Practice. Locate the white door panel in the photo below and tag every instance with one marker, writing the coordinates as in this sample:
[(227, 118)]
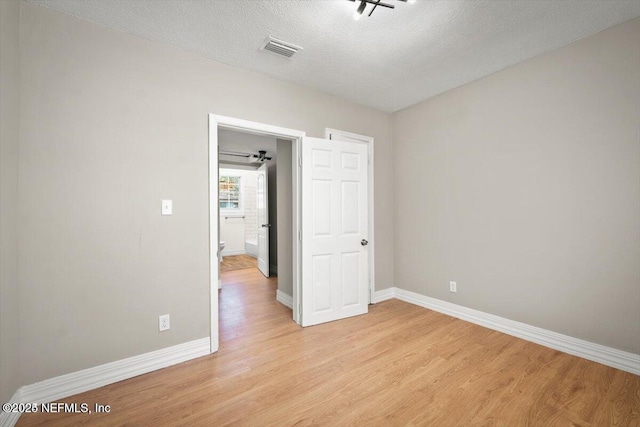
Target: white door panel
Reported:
[(335, 267), (263, 221)]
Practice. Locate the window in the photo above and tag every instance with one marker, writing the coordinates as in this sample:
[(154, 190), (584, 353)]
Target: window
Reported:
[(230, 197)]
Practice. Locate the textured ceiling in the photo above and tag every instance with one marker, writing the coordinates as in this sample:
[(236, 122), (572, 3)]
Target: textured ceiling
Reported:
[(389, 61)]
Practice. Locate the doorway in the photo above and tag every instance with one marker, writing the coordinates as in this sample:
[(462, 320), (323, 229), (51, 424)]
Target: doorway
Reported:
[(248, 201), (329, 250), (238, 217), (288, 139)]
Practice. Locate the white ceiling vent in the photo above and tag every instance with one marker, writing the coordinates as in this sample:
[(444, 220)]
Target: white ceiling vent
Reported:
[(280, 47)]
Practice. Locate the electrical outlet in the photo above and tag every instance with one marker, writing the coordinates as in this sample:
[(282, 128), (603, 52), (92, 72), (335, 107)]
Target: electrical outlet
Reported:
[(453, 287), (164, 323)]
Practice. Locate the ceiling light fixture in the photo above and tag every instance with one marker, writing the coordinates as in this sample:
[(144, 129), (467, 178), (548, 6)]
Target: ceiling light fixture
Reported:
[(261, 156), (363, 4), (358, 13)]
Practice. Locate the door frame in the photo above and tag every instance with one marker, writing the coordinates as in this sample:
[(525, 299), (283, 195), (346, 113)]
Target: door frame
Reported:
[(223, 122), (262, 170), (330, 133)]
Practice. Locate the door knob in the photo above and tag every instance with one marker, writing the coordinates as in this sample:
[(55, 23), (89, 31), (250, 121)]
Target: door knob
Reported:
[(266, 225), (364, 242)]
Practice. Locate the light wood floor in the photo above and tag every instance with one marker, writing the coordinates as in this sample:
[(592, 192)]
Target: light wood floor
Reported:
[(238, 262), (398, 365)]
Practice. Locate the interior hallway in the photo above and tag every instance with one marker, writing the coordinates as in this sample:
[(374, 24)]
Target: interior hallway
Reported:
[(398, 365)]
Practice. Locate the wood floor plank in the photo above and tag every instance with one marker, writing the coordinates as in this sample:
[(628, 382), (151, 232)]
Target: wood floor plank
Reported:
[(238, 262), (398, 365)]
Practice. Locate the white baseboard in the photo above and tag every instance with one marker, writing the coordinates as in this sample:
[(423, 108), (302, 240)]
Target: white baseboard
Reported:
[(284, 299), (608, 356), (88, 379), (9, 419), (383, 295), (229, 253)]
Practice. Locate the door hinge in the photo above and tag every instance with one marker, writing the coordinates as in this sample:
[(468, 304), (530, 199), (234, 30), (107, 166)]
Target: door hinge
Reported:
[(300, 235), (369, 158), (300, 161)]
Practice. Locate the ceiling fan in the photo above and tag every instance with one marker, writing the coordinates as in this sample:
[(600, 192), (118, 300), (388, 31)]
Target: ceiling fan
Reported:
[(261, 156), (363, 5)]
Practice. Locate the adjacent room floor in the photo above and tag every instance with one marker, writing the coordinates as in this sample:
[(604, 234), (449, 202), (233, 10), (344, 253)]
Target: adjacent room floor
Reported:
[(398, 365), (238, 262)]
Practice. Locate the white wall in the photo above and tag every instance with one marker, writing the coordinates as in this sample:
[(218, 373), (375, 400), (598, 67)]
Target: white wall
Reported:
[(235, 230), (251, 207), (524, 187), (111, 124), (9, 136)]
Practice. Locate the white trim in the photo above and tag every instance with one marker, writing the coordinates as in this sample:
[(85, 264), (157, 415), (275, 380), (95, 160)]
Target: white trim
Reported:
[(296, 215), (329, 133), (284, 299), (215, 122), (383, 295), (109, 373), (214, 238), (608, 356), (255, 127), (231, 253), (262, 199), (9, 419), (99, 376)]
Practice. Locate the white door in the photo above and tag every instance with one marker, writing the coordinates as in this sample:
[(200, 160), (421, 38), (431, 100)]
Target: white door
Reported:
[(263, 221), (334, 230)]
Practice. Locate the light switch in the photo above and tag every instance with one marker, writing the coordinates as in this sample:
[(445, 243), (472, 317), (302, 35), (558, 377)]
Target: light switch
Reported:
[(167, 207)]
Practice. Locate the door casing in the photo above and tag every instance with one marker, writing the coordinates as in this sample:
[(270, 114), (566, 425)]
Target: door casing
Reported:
[(263, 221)]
